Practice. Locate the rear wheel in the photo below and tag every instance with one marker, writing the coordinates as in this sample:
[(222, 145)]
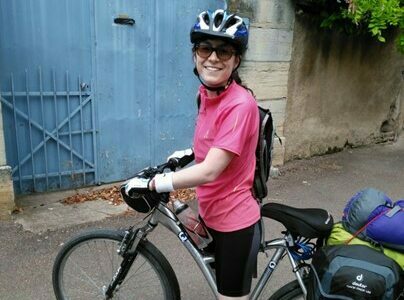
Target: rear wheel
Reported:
[(85, 266), (289, 291)]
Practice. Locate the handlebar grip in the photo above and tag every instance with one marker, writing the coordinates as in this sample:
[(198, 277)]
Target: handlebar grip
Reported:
[(181, 162)]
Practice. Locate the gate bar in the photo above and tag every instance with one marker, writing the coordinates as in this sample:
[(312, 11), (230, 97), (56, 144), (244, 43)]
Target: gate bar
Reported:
[(51, 174), (76, 132), (44, 93), (30, 128), (94, 138), (82, 133), (70, 128), (43, 127), (16, 130), (56, 125)]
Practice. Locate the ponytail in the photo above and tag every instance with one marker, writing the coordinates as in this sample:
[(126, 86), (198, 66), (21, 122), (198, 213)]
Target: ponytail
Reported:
[(238, 80)]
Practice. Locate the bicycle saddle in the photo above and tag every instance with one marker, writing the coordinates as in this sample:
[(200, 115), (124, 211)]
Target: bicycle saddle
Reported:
[(306, 222)]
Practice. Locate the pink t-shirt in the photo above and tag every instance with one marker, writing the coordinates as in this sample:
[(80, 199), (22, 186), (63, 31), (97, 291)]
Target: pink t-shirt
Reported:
[(230, 122)]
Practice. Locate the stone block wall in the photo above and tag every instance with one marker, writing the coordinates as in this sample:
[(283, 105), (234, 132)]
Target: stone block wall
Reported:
[(265, 68), (342, 91), (6, 193), (6, 183), (2, 145)]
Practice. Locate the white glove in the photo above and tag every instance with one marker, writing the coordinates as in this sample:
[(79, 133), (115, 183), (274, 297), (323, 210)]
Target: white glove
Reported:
[(136, 185), (180, 154), (164, 182)]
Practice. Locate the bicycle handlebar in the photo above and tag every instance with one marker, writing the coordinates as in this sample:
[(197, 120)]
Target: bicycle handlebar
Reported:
[(138, 185), (182, 161), (172, 164), (150, 172)]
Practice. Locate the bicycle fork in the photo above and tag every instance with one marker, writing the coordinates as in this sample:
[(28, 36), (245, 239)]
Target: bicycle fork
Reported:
[(127, 250)]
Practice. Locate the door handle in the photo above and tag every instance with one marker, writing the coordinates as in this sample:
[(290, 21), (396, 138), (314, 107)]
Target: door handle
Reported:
[(124, 20)]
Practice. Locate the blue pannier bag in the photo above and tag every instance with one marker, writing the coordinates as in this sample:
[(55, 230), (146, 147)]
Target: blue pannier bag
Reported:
[(372, 216)]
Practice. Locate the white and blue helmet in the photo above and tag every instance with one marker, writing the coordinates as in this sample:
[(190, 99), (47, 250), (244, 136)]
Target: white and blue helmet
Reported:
[(221, 24)]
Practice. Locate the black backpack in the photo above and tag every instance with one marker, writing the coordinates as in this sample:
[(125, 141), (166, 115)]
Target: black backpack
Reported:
[(263, 152)]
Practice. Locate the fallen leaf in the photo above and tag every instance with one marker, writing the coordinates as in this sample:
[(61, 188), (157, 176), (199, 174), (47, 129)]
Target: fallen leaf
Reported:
[(113, 196), (17, 210)]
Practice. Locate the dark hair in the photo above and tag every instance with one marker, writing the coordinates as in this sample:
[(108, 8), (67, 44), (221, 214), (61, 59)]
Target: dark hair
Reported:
[(238, 80)]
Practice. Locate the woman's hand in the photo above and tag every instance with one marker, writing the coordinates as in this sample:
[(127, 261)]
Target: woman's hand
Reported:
[(162, 183), (152, 185)]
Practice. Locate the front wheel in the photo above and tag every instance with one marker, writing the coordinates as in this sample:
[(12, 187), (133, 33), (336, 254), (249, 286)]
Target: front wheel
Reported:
[(85, 266), (289, 291)]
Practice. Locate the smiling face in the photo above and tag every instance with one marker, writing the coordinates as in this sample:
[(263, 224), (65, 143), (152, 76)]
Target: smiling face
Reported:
[(215, 69)]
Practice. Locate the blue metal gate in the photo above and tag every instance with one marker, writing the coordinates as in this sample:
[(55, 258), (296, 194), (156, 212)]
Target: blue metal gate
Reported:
[(47, 94), (52, 134), (93, 90)]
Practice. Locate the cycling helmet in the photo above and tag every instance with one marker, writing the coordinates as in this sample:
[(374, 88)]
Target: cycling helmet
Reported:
[(221, 24)]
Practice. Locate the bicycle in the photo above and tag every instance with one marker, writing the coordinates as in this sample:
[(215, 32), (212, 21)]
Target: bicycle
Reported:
[(135, 269)]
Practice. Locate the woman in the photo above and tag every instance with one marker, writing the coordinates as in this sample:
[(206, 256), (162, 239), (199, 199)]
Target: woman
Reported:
[(224, 145)]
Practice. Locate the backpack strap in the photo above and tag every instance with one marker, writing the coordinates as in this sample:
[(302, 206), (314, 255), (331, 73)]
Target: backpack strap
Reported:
[(198, 100), (279, 139)]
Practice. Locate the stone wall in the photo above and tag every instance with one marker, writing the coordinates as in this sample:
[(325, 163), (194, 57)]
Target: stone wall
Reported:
[(2, 145), (266, 64), (341, 91), (6, 184)]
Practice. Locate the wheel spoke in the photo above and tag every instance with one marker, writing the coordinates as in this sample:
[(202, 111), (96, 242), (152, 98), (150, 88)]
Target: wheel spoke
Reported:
[(88, 263)]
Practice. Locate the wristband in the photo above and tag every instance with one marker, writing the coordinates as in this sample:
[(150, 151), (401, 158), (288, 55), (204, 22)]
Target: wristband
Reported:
[(164, 182)]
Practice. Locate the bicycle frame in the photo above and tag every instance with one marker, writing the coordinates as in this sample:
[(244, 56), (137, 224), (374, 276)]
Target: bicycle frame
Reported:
[(282, 246), (163, 215)]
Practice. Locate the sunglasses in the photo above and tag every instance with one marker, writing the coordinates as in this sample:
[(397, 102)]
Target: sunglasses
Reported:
[(223, 52)]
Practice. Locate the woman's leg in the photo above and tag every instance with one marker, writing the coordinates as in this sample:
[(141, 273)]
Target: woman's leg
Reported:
[(236, 260)]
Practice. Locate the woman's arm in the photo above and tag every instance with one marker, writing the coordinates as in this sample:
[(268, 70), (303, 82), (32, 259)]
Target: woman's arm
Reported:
[(207, 171)]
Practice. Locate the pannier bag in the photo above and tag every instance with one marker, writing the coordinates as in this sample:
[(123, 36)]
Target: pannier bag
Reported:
[(372, 216), (339, 236), (354, 272)]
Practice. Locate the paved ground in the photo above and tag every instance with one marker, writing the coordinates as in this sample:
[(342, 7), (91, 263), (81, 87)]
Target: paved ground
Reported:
[(30, 242)]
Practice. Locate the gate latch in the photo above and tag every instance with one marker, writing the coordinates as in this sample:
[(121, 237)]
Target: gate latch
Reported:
[(124, 20)]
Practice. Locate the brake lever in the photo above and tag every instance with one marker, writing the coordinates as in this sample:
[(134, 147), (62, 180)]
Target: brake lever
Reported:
[(172, 164), (150, 172), (182, 161), (168, 165)]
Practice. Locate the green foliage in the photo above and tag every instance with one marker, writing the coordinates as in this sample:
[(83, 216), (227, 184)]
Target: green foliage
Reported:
[(360, 16)]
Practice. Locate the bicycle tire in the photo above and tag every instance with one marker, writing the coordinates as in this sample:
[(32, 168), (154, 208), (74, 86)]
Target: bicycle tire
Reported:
[(289, 291), (92, 270)]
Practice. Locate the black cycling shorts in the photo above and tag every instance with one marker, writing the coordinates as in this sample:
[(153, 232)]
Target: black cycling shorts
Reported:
[(235, 259)]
